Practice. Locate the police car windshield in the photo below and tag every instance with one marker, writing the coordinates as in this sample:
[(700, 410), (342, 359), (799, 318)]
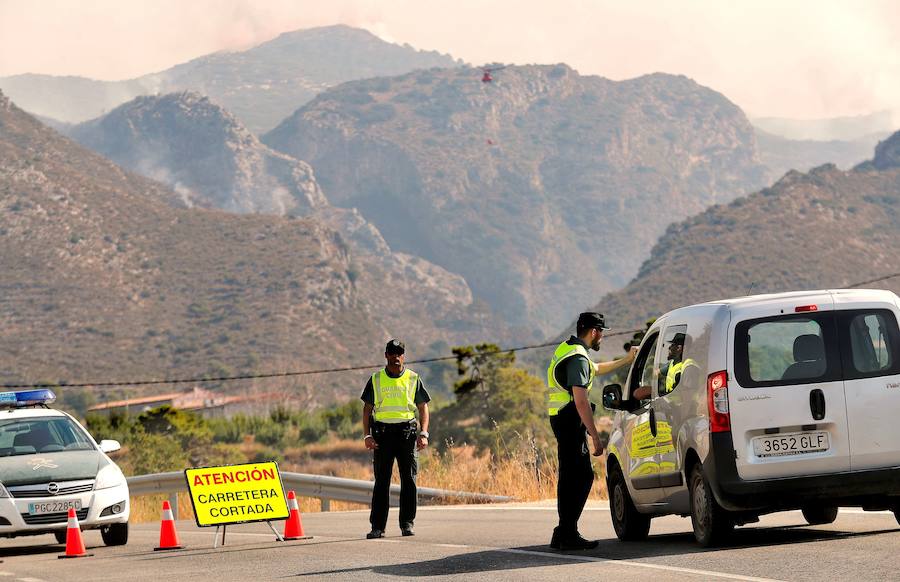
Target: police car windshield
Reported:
[(27, 436)]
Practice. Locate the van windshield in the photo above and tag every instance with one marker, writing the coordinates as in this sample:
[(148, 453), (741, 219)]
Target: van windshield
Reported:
[(27, 436)]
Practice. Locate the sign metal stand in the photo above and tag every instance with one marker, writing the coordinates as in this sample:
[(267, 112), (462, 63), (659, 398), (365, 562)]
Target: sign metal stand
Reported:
[(274, 531), (216, 539)]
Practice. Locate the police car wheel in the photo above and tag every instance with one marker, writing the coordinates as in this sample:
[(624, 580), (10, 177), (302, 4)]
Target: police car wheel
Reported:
[(115, 534), (60, 536), (711, 522), (819, 514), (630, 525)]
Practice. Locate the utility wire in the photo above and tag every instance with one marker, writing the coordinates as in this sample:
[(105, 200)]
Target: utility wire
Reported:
[(281, 374), (332, 370), (869, 282)]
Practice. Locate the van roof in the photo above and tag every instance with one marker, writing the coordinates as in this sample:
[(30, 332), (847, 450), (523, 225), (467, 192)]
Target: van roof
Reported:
[(798, 296), (861, 294)]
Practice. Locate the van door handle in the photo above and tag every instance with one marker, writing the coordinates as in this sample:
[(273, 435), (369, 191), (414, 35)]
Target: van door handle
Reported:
[(817, 403), (652, 422)]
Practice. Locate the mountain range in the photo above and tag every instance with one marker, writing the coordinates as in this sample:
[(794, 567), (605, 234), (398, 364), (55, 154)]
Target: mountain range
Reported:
[(106, 277), (261, 85), (543, 189)]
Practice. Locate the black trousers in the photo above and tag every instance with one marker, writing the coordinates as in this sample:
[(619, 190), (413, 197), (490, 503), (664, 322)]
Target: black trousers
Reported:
[(576, 475), (395, 441)]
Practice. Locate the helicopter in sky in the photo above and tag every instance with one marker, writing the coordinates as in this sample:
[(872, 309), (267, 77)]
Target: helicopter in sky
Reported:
[(488, 77)]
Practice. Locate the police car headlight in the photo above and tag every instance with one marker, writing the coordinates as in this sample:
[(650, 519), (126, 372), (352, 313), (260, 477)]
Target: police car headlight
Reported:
[(4, 494), (109, 476)]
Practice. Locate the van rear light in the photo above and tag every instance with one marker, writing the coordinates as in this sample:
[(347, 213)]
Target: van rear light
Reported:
[(717, 400), (805, 308)]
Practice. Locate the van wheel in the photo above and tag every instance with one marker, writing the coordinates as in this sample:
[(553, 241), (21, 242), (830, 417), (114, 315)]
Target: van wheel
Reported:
[(60, 536), (819, 514), (711, 522), (629, 523), (115, 534)]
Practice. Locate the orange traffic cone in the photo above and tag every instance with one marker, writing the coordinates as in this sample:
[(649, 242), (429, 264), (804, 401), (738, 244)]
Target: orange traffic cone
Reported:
[(168, 537), (74, 543), (293, 528)]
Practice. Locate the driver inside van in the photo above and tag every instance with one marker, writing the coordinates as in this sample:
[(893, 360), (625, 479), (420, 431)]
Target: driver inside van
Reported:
[(672, 371)]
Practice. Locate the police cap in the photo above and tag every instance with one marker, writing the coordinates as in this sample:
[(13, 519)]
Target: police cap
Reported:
[(395, 346), (591, 319)]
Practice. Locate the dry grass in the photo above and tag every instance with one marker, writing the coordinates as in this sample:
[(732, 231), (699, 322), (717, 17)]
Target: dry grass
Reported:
[(523, 474)]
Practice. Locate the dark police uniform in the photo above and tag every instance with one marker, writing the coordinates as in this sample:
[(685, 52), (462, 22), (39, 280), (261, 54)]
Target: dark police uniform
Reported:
[(396, 440)]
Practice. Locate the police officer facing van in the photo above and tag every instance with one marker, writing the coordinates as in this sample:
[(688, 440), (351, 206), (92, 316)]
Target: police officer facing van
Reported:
[(570, 378), (392, 397)]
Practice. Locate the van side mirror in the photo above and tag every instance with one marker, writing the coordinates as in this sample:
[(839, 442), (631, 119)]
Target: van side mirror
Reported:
[(612, 397), (109, 446)]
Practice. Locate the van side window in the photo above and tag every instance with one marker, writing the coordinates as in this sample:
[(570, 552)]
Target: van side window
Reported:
[(675, 362), (870, 343), (643, 373), (786, 350)]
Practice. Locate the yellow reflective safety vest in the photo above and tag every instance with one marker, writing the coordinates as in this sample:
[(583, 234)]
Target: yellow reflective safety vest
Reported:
[(557, 396), (674, 373), (395, 398)]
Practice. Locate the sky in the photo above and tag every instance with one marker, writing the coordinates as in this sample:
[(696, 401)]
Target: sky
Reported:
[(801, 59)]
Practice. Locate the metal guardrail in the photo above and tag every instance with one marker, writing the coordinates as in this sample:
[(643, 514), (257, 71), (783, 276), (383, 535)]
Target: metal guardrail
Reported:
[(319, 486)]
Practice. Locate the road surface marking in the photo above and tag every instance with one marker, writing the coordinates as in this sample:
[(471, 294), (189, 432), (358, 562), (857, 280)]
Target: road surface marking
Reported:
[(499, 507), (704, 573), (450, 545)]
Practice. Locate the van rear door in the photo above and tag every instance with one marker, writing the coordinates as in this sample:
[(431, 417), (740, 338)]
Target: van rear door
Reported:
[(870, 346), (786, 397)]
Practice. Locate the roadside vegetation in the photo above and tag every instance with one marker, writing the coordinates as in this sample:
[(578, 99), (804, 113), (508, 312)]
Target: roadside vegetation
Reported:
[(489, 434)]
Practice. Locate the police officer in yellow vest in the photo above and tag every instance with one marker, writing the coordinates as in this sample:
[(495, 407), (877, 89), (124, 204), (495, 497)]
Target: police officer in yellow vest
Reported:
[(392, 397), (570, 378), (677, 366)]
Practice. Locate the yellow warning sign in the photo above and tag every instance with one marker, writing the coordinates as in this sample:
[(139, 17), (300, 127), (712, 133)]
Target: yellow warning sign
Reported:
[(236, 493)]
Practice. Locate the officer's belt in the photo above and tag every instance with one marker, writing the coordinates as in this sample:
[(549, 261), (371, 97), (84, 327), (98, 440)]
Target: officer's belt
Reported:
[(394, 426)]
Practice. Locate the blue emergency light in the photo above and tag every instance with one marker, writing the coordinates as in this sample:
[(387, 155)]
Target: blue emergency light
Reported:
[(27, 398)]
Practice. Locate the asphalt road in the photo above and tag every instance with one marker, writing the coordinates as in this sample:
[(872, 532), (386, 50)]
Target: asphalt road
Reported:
[(491, 542)]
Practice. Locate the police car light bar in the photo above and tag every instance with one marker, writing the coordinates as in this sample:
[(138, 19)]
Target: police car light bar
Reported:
[(27, 398)]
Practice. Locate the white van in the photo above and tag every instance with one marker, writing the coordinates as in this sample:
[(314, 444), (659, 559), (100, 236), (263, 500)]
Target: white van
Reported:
[(737, 408)]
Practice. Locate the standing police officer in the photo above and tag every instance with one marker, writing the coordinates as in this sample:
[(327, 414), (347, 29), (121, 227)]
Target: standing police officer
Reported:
[(392, 396), (570, 378)]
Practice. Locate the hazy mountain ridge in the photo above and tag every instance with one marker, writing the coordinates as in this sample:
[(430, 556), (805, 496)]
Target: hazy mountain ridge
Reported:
[(847, 128), (103, 279), (261, 85), (781, 154), (530, 184), (825, 229)]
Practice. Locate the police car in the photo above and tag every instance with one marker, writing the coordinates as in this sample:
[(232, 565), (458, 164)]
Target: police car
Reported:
[(50, 464)]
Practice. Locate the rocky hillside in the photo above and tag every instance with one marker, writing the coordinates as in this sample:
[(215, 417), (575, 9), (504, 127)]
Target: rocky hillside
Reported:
[(103, 278), (826, 228), (203, 152), (210, 159), (261, 85), (541, 188)]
